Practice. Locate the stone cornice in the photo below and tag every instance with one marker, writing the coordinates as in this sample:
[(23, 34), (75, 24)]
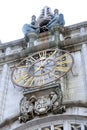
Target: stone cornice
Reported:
[(77, 26), (23, 42), (77, 41)]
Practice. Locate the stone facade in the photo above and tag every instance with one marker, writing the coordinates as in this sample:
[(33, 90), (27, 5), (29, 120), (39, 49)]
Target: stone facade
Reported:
[(73, 85)]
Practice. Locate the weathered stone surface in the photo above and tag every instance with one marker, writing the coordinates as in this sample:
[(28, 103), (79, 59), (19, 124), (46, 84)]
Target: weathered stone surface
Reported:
[(74, 84)]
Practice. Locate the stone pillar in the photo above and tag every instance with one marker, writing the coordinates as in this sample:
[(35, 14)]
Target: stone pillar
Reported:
[(66, 125), (82, 127), (32, 37), (56, 32), (8, 51), (57, 36), (52, 127), (3, 89), (82, 31), (61, 37), (84, 61), (4, 86)]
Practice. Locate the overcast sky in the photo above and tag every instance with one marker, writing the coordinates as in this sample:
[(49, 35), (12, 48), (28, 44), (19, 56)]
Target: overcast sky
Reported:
[(15, 13)]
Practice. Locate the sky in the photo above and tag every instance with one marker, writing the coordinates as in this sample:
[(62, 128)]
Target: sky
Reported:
[(15, 13)]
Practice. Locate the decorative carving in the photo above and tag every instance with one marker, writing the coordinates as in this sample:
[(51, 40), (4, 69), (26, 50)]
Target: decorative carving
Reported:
[(33, 106), (58, 19), (58, 127), (45, 21), (75, 127), (32, 27), (42, 105), (56, 101), (45, 16), (27, 108)]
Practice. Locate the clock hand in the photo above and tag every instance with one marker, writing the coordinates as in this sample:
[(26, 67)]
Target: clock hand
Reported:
[(39, 68)]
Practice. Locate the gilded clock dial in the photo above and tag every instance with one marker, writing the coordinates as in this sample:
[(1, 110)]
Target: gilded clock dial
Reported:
[(42, 68)]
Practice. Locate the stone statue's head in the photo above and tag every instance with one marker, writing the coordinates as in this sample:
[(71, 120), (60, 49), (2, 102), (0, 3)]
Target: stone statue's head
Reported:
[(56, 11), (33, 19), (51, 94)]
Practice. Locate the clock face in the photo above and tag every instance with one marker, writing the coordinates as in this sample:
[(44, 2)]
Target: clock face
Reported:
[(42, 68)]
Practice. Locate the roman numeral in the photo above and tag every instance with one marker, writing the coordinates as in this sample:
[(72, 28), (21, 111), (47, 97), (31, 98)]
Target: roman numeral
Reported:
[(31, 59), (40, 81), (42, 55), (62, 69), (53, 53), (25, 76), (62, 56), (29, 81), (64, 62)]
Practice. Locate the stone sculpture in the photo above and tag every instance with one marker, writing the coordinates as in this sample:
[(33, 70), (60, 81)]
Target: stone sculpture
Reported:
[(36, 106), (32, 27), (58, 19), (26, 109), (56, 101), (42, 105)]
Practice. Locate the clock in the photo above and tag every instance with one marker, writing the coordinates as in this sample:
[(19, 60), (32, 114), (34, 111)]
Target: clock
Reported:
[(42, 68)]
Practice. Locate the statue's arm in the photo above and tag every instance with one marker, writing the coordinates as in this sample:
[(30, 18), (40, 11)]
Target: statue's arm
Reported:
[(51, 21), (33, 26)]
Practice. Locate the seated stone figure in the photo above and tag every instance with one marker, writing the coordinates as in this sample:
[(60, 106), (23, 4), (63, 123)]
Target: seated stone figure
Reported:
[(32, 27), (58, 19)]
